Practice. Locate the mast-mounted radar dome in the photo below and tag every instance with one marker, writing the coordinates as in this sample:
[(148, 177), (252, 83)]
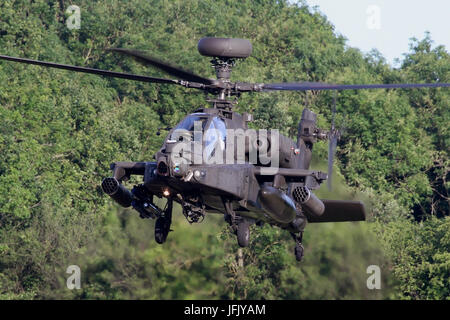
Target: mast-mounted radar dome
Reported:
[(225, 47)]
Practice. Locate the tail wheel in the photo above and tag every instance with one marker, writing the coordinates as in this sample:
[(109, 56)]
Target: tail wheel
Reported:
[(243, 233)]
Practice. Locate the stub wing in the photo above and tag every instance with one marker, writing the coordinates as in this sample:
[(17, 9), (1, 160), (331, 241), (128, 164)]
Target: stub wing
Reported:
[(340, 211)]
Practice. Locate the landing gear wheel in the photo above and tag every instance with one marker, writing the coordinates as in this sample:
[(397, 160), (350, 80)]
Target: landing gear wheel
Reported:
[(243, 233), (162, 228), (162, 224), (298, 252)]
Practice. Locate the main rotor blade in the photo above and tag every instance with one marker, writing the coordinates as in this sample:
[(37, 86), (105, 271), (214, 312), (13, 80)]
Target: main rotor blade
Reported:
[(174, 71), (304, 86), (100, 72)]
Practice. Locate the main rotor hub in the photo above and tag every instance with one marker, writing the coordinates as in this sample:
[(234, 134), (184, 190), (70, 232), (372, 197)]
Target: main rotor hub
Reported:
[(224, 51), (223, 67)]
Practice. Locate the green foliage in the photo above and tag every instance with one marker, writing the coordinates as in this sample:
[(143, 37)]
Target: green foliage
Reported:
[(59, 131), (126, 263), (334, 266), (420, 253)]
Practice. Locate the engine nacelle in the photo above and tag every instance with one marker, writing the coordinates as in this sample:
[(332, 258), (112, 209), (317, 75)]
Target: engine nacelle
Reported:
[(285, 149), (277, 205)]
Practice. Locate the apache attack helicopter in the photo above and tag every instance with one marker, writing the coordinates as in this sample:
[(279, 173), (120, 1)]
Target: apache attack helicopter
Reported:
[(266, 176)]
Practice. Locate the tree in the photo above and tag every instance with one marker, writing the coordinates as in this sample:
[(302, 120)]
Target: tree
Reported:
[(59, 132)]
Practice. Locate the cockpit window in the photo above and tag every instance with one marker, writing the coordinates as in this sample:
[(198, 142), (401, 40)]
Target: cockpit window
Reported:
[(185, 129), (220, 126), (215, 137)]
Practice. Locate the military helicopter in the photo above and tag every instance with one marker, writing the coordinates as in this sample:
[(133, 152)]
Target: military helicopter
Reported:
[(211, 162)]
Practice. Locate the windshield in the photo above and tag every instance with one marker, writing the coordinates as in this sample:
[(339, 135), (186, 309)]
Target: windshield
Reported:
[(215, 137), (185, 129)]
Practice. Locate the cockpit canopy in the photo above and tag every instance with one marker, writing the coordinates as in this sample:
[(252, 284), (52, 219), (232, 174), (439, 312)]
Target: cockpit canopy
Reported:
[(187, 124), (206, 129)]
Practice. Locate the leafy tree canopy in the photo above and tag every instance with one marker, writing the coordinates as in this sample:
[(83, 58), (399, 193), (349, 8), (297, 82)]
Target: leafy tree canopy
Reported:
[(59, 132)]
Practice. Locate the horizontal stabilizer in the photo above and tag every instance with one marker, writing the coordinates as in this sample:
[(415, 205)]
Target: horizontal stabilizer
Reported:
[(340, 211)]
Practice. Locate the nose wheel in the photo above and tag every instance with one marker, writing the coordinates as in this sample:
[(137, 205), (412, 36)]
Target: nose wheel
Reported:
[(162, 225), (239, 225)]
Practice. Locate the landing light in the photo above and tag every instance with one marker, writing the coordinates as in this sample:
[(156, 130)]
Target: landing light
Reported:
[(199, 174)]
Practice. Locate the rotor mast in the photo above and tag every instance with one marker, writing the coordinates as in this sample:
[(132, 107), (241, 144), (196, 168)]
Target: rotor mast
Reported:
[(223, 67)]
